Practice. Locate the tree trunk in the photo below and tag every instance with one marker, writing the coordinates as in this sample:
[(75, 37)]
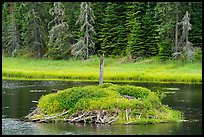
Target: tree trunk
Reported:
[(101, 69), (176, 31), (10, 7)]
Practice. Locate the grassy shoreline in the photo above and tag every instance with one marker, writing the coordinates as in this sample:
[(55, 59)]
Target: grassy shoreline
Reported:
[(114, 71)]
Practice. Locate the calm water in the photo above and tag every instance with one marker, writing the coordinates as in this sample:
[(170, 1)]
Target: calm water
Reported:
[(18, 99)]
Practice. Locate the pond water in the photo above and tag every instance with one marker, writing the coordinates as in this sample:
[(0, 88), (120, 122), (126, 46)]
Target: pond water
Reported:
[(18, 99)]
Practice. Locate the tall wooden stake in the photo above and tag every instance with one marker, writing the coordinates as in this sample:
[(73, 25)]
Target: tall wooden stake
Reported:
[(101, 69)]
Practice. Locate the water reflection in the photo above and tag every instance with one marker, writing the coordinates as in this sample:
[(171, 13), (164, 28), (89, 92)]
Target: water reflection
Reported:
[(17, 100)]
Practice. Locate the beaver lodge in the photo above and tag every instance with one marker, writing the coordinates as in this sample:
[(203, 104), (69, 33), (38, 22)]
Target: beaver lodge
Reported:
[(104, 104)]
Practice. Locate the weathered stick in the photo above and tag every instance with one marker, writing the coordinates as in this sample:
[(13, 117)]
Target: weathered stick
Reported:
[(32, 113), (75, 119), (101, 69), (113, 120), (126, 115)]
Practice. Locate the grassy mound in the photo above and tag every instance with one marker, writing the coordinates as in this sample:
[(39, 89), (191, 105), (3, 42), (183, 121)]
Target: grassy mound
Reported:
[(106, 103)]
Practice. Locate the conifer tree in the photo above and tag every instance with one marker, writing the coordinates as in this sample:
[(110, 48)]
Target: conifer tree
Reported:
[(149, 27), (136, 44), (58, 43), (186, 48), (4, 26), (85, 45), (196, 20), (11, 36), (164, 12), (120, 30), (35, 34), (99, 12), (72, 10), (107, 36), (113, 36)]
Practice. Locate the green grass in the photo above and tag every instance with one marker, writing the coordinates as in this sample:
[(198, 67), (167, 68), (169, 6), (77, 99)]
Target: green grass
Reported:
[(143, 71)]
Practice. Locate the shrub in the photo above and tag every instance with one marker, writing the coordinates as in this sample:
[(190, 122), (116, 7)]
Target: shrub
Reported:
[(108, 97), (198, 54), (49, 104), (137, 92)]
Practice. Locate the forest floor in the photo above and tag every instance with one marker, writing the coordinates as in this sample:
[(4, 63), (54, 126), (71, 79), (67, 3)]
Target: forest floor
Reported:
[(115, 69)]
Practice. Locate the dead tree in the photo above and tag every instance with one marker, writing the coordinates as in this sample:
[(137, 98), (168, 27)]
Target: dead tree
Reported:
[(101, 69)]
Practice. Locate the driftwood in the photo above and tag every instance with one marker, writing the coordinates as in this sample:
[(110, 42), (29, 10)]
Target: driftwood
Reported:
[(101, 117), (45, 118), (113, 120), (95, 116), (32, 113)]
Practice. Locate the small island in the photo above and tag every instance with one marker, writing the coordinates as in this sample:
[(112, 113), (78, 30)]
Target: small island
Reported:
[(104, 104)]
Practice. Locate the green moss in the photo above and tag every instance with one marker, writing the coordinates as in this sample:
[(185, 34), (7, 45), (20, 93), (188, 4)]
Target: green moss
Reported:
[(144, 107)]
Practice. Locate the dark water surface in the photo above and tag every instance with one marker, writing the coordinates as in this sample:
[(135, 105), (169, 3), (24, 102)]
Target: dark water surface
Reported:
[(18, 98)]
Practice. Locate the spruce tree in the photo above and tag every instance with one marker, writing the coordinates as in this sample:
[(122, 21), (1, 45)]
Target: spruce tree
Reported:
[(99, 12), (107, 36), (58, 44), (149, 27), (136, 44), (11, 36), (72, 10), (164, 12), (35, 34), (120, 30), (5, 18), (196, 20), (85, 45), (113, 36)]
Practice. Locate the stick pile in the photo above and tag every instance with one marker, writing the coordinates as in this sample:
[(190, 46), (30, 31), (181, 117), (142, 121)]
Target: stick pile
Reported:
[(95, 116)]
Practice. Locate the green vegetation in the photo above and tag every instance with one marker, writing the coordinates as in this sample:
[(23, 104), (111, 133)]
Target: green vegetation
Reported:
[(130, 104), (119, 69), (63, 30)]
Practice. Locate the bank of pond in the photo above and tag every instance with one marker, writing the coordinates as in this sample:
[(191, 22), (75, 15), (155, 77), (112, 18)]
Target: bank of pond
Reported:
[(104, 104), (115, 70)]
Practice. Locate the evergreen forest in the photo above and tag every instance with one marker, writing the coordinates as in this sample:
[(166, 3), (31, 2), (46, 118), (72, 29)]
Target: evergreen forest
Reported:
[(64, 30)]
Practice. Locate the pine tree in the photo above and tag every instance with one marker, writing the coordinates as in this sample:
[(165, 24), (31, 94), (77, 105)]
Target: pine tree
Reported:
[(164, 12), (85, 45), (11, 36), (136, 45), (107, 37), (149, 27), (132, 14), (120, 30), (113, 37), (35, 34), (72, 10), (196, 20), (133, 29), (5, 18), (99, 12), (58, 43)]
